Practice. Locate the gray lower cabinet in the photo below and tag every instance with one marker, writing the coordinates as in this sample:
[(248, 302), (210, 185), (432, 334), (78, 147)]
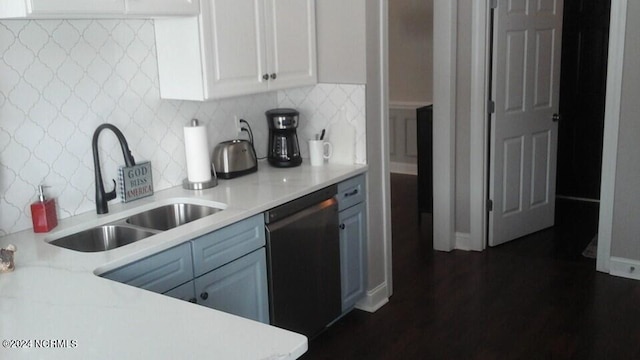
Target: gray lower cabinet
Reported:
[(225, 270), (353, 240), (353, 231), (239, 288)]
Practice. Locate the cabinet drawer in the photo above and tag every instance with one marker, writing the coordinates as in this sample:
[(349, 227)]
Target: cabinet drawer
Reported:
[(160, 272), (351, 192), (220, 247)]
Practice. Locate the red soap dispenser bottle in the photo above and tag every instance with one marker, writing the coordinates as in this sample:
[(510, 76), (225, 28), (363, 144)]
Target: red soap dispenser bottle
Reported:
[(43, 213)]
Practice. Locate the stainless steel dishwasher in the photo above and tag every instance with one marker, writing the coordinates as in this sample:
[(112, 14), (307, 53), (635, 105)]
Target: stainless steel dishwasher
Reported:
[(303, 252)]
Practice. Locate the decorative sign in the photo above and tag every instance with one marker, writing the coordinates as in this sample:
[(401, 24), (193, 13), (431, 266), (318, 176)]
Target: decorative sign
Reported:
[(135, 182)]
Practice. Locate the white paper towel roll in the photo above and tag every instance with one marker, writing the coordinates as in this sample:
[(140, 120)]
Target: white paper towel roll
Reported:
[(196, 146)]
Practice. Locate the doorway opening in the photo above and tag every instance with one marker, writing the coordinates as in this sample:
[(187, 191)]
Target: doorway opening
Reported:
[(585, 43)]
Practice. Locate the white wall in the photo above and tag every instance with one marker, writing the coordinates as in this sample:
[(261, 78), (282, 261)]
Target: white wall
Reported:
[(411, 51), (626, 211), (463, 116), (60, 79), (379, 276), (341, 50)]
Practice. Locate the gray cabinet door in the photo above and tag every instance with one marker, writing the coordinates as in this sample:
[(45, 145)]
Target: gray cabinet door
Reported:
[(158, 273), (353, 242), (239, 288), (222, 246), (184, 292)]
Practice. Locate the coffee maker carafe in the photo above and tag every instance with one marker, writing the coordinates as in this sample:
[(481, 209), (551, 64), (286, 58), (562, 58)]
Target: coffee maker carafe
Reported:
[(284, 150)]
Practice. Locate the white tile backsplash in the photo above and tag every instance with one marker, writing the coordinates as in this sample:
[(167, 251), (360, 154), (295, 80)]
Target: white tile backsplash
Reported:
[(320, 108), (60, 79)]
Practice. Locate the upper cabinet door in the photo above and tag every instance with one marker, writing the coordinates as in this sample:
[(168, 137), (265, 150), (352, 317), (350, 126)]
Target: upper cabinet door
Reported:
[(234, 46), (71, 7), (163, 7), (237, 47), (291, 43)]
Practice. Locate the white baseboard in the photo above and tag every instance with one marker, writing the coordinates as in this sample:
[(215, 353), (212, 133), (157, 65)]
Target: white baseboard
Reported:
[(375, 299), (403, 168), (626, 268)]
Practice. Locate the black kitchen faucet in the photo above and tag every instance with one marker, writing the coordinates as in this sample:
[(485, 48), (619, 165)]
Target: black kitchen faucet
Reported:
[(103, 197)]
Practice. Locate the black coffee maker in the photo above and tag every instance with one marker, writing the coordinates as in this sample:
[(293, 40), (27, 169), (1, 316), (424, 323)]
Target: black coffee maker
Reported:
[(284, 150)]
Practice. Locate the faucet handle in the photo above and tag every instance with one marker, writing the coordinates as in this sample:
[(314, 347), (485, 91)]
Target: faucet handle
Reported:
[(111, 194)]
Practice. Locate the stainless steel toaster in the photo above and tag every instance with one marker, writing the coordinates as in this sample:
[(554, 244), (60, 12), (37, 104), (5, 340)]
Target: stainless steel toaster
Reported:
[(234, 158)]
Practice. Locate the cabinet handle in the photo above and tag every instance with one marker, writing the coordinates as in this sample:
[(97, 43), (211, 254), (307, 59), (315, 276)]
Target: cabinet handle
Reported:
[(354, 192), (342, 226), (204, 295), (193, 300), (265, 77), (273, 76)]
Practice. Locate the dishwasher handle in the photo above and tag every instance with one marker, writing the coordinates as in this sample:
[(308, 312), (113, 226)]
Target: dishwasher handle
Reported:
[(295, 206), (309, 212)]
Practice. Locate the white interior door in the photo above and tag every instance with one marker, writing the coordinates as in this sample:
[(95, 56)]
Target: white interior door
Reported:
[(524, 135)]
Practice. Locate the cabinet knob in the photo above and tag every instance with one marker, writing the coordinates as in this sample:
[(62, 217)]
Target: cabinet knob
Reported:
[(342, 226), (204, 295), (273, 76), (265, 77)]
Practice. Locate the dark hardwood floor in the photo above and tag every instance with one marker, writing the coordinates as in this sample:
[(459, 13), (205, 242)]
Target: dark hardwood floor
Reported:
[(534, 298)]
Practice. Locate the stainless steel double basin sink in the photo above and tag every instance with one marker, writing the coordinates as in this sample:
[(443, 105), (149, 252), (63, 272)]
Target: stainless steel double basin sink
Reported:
[(134, 228)]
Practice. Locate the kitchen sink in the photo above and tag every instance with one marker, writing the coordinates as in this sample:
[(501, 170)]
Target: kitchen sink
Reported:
[(134, 228), (101, 238), (169, 216)]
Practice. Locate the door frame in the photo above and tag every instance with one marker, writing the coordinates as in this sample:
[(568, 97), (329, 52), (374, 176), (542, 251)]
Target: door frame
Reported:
[(444, 64)]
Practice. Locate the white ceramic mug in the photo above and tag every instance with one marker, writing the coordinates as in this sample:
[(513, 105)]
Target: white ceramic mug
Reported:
[(319, 150)]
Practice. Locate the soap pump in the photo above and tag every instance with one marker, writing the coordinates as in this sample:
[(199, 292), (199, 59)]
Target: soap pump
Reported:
[(43, 213)]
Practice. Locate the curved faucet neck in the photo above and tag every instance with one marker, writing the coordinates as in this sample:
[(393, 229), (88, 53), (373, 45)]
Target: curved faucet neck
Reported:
[(102, 197)]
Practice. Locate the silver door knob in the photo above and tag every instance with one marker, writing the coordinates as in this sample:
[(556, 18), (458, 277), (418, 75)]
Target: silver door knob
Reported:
[(556, 117)]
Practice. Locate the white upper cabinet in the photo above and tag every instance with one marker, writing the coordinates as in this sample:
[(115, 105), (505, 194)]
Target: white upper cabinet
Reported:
[(68, 9), (237, 47), (291, 43), (162, 7), (50, 7)]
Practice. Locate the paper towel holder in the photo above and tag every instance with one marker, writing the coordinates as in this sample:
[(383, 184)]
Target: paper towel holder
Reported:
[(191, 185)]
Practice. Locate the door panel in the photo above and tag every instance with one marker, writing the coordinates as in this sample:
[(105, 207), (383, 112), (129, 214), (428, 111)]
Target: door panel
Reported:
[(513, 159), (238, 55), (526, 73), (291, 42), (540, 172), (515, 76)]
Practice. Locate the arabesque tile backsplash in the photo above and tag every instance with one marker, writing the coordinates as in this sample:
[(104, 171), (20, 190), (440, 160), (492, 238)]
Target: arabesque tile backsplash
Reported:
[(60, 79)]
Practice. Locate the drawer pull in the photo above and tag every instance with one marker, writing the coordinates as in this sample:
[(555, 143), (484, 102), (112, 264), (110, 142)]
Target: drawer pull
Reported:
[(351, 193), (204, 295), (342, 226)]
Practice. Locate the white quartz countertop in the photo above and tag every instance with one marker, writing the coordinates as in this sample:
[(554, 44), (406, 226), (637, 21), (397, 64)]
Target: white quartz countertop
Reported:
[(54, 306)]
